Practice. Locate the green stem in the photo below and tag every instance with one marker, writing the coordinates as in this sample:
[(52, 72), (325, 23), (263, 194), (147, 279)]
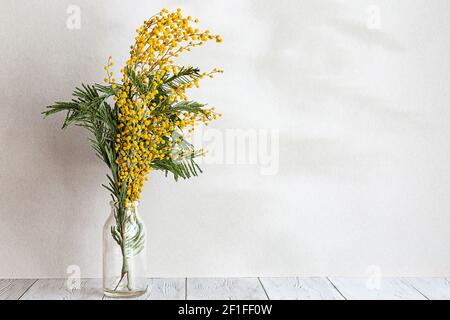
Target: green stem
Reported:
[(125, 265), (131, 241), (125, 271), (118, 284)]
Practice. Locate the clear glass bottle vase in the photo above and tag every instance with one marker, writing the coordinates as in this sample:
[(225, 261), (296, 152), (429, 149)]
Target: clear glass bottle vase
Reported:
[(124, 252)]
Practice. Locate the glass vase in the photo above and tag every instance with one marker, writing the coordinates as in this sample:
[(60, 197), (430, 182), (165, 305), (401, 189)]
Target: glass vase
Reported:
[(124, 252)]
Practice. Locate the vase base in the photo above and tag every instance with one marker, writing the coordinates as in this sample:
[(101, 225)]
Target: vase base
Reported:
[(124, 294)]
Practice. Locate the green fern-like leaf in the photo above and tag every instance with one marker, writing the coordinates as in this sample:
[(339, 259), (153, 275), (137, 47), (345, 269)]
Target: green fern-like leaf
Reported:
[(130, 236)]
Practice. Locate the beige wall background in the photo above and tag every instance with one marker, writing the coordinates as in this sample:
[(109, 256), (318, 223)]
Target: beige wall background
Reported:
[(358, 92)]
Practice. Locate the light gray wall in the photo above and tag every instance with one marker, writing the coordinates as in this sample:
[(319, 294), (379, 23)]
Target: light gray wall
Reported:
[(361, 112)]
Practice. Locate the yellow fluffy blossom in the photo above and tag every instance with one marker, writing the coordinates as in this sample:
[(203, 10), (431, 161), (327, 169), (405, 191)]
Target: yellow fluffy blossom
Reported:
[(154, 113)]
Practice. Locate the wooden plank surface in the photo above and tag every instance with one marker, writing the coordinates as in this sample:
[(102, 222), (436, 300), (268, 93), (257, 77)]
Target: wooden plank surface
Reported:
[(166, 289), (432, 288), (14, 289), (241, 288), (225, 289), (57, 289), (300, 289), (161, 289), (388, 289)]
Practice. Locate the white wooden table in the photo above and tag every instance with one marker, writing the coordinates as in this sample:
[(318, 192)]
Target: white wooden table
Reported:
[(241, 289)]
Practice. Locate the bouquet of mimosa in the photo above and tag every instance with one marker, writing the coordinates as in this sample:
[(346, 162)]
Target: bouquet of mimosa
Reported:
[(143, 122)]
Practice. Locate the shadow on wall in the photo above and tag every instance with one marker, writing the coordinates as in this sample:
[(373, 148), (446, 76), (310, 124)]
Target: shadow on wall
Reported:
[(313, 71), (315, 48), (315, 63)]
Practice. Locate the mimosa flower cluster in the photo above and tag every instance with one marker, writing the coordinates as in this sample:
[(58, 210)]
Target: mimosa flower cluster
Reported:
[(154, 114), (147, 128)]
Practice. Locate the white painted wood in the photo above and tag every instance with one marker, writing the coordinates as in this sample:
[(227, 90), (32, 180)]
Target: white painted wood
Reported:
[(300, 289), (57, 289), (166, 289), (161, 289), (240, 289), (385, 289), (225, 289), (14, 289), (432, 288)]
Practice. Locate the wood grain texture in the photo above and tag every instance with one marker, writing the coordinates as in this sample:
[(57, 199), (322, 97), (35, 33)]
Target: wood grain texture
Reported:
[(240, 289), (432, 288), (166, 289), (57, 289), (300, 289), (14, 289), (161, 289), (388, 289), (225, 289)]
